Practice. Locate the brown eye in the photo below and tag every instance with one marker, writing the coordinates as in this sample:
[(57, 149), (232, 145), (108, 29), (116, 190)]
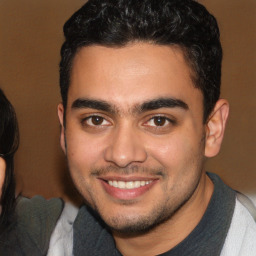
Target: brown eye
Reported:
[(94, 121), (159, 124), (159, 121), (97, 120)]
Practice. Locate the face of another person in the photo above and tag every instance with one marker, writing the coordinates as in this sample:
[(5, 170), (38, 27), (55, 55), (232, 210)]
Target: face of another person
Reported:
[(134, 135), (2, 174)]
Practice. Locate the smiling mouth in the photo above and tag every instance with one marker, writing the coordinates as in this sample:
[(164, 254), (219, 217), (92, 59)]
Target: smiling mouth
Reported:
[(130, 189), (128, 184)]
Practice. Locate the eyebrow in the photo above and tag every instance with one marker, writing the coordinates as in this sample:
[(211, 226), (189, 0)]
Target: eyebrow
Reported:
[(154, 104), (163, 103), (94, 104)]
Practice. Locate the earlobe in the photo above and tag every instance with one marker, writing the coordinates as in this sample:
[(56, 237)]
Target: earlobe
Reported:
[(62, 131), (215, 128)]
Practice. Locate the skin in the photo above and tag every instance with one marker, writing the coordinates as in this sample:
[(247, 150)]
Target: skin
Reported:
[(2, 174), (148, 127)]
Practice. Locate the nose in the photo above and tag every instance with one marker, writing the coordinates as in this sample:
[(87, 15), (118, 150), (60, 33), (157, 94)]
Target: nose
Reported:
[(125, 147)]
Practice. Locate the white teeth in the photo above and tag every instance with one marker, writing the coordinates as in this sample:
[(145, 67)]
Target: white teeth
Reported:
[(128, 184), (137, 184), (121, 184)]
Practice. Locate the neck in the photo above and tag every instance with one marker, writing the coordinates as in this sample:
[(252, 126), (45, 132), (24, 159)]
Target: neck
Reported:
[(170, 233)]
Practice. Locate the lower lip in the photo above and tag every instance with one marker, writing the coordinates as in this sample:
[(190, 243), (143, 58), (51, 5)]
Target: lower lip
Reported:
[(126, 194)]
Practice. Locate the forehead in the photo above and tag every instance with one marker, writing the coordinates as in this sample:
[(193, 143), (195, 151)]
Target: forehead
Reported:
[(131, 74)]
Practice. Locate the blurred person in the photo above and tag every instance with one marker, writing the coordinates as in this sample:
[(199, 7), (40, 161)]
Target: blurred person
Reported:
[(22, 229), (9, 141)]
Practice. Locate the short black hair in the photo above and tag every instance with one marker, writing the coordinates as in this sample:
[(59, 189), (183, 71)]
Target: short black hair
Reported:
[(115, 23), (9, 141)]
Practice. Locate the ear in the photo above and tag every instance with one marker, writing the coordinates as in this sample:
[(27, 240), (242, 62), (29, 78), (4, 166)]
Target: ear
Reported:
[(215, 128), (2, 174), (62, 131)]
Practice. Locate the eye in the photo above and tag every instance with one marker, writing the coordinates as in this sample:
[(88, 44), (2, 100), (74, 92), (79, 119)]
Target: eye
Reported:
[(96, 121), (158, 121)]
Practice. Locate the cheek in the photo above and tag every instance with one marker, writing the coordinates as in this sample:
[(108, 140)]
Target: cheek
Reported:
[(172, 151), (180, 148), (83, 150)]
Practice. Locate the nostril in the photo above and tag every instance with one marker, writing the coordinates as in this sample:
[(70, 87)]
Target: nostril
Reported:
[(123, 158)]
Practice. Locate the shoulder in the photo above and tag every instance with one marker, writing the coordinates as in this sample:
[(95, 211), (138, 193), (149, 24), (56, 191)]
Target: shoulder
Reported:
[(38, 206), (241, 236), (35, 221)]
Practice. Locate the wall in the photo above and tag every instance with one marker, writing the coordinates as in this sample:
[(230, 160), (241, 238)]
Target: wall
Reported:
[(30, 39)]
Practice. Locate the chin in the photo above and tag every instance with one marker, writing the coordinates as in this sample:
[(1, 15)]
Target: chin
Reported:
[(134, 225)]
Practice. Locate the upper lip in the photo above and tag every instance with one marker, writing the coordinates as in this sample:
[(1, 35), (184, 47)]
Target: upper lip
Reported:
[(127, 178)]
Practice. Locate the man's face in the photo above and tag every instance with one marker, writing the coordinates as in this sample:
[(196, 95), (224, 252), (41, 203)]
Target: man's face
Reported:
[(134, 134)]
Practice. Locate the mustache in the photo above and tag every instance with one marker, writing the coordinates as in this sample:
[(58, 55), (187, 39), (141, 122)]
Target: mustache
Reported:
[(158, 171)]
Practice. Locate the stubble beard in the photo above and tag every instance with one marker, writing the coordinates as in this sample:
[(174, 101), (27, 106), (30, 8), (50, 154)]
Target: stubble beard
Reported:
[(161, 212), (144, 224)]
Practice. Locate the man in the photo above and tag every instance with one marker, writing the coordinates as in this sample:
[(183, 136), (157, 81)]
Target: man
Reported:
[(140, 84)]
